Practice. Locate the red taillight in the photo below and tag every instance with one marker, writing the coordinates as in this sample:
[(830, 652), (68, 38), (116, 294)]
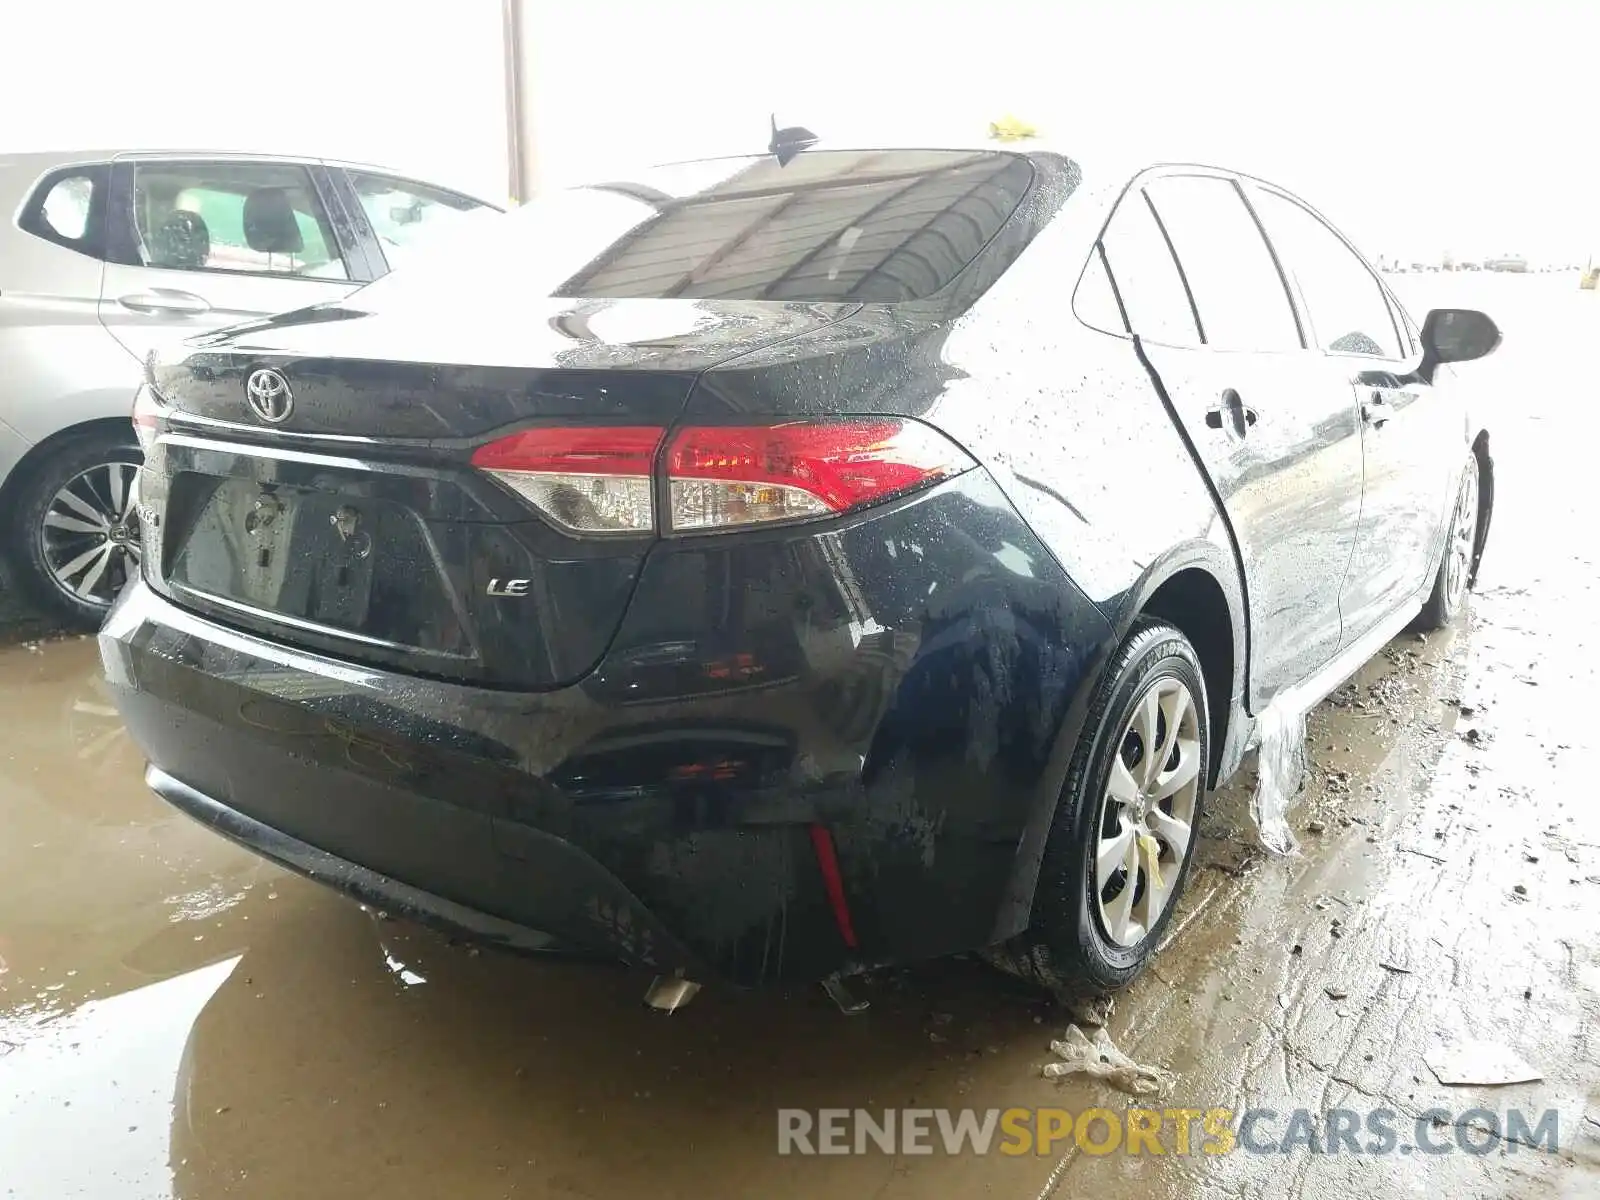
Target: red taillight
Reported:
[(725, 476), (617, 450), (598, 480), (587, 480)]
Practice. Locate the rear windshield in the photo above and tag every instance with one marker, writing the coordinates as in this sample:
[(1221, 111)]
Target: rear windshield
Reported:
[(873, 226)]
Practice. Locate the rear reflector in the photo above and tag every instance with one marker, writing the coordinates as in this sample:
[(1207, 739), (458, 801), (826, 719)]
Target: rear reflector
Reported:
[(833, 883), (585, 480), (598, 480), (728, 476)]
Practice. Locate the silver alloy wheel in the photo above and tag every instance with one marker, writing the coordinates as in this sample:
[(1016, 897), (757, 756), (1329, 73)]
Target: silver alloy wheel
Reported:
[(89, 539), (1463, 534), (1146, 827)]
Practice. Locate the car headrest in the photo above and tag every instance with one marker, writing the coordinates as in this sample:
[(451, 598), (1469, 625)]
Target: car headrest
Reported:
[(269, 223), (182, 242)]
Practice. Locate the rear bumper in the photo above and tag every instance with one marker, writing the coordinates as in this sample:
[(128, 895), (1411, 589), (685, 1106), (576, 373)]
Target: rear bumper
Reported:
[(267, 752), (910, 685), (369, 887)]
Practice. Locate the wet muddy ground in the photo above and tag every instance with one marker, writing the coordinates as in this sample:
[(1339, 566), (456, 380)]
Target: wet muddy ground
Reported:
[(180, 1019)]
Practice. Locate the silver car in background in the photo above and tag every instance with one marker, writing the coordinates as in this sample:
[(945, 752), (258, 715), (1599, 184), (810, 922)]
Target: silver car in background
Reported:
[(106, 256)]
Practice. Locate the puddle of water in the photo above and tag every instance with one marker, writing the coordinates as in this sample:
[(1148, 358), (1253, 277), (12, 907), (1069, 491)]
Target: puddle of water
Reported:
[(90, 1094), (95, 868)]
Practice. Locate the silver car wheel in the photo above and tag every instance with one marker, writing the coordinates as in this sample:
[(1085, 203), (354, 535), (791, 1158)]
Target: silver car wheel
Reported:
[(1146, 826), (89, 539)]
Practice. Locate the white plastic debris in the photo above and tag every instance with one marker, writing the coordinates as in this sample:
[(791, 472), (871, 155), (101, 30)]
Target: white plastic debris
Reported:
[(1480, 1063), (1280, 766), (1101, 1059)]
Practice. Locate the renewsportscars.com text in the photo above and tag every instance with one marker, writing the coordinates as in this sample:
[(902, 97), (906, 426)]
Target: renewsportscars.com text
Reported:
[(1163, 1131)]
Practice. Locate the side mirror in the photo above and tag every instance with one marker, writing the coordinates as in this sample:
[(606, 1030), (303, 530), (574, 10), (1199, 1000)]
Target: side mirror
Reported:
[(1456, 335)]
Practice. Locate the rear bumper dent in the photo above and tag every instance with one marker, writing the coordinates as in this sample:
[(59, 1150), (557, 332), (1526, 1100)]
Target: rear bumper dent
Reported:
[(370, 887)]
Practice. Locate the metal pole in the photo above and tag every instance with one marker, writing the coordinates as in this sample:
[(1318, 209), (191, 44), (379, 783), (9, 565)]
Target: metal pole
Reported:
[(519, 154)]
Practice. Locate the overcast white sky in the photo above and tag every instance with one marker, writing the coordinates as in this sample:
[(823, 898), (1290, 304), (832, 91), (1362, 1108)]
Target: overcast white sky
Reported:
[(1419, 126)]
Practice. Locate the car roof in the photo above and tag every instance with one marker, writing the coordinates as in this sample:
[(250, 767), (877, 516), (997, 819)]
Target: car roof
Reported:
[(33, 164), (1111, 164), (1028, 148), (43, 160)]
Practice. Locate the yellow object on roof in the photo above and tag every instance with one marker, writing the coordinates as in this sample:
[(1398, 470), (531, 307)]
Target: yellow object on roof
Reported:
[(1011, 129)]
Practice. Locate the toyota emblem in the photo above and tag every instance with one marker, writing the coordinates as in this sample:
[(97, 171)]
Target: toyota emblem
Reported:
[(269, 395)]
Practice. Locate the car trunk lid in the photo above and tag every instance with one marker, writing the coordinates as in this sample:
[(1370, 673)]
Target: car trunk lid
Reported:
[(344, 513)]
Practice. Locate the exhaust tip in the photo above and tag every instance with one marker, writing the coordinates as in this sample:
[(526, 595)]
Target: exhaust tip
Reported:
[(669, 995)]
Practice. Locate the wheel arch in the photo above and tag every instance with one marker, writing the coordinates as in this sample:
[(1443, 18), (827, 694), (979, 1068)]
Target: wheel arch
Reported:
[(13, 489), (1196, 588), (40, 451)]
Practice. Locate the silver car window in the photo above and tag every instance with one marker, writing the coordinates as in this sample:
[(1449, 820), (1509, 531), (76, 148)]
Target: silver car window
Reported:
[(258, 218)]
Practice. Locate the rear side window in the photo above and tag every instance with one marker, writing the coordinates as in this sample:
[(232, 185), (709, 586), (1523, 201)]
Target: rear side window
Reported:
[(882, 226), (1238, 294), (260, 218), (1344, 300), (68, 208), (1145, 275), (407, 217)]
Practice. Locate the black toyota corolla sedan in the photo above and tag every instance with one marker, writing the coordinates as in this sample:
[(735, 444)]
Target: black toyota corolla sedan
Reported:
[(765, 568)]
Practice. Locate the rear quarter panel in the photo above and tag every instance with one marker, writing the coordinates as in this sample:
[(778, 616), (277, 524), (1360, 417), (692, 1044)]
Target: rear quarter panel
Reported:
[(1071, 424), (1065, 417), (1068, 424)]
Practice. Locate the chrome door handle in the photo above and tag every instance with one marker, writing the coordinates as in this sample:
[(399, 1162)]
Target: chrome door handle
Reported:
[(1231, 414), (165, 300)]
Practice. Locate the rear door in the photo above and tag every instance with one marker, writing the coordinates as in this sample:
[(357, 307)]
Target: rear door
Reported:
[(1412, 450), (1277, 432), (196, 244)]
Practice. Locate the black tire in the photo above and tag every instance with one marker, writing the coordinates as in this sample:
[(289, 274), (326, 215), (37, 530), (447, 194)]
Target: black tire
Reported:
[(1451, 584), (1067, 948), (82, 461)]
